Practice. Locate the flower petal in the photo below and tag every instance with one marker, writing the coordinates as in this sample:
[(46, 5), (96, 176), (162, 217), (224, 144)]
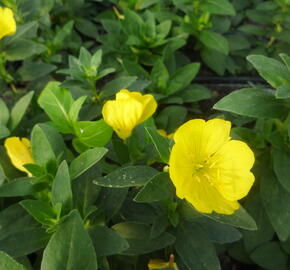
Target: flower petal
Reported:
[(230, 172), (19, 152), (202, 139), (7, 22)]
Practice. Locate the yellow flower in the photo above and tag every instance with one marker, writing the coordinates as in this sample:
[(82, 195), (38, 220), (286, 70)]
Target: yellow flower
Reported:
[(7, 22), (19, 152), (127, 111), (208, 169)]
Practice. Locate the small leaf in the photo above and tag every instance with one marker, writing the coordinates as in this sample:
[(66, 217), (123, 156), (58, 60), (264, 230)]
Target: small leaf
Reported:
[(4, 116), (157, 189), (162, 145), (273, 71), (112, 243), (21, 187), (19, 109), (20, 234), (70, 247), (130, 176), (220, 7), (61, 188), (182, 77), (40, 210), (214, 41), (8, 263), (86, 160), (194, 248), (56, 102), (41, 149), (75, 108), (138, 237), (253, 102)]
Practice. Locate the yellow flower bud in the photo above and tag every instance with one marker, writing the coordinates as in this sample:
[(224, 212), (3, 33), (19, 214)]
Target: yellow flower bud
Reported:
[(19, 152), (127, 111), (7, 22)]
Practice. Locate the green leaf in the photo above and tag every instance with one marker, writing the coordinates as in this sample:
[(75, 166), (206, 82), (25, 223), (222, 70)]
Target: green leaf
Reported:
[(281, 160), (8, 263), (55, 140), (20, 234), (157, 189), (182, 77), (162, 145), (56, 102), (240, 219), (30, 71), (194, 248), (40, 210), (61, 188), (110, 201), (86, 160), (91, 134), (215, 60), (286, 60), (70, 247), (270, 256), (171, 117), (138, 238), (21, 187), (75, 108), (253, 102), (114, 86), (21, 49), (112, 243), (214, 41), (42, 151), (264, 232), (130, 176), (4, 131), (220, 7), (273, 71), (4, 116), (160, 75), (195, 92), (276, 201), (19, 109), (218, 232)]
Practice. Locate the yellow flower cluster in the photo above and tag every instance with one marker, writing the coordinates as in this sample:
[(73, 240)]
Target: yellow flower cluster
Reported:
[(208, 169), (7, 22)]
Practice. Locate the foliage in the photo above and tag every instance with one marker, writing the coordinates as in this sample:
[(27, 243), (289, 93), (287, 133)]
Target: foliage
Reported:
[(86, 198)]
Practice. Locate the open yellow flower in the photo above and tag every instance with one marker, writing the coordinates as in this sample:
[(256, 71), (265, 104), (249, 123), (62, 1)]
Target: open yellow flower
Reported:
[(7, 22), (127, 111), (19, 152), (208, 169)]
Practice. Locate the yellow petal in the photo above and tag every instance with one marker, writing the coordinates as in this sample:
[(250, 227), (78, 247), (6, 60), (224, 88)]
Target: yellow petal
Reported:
[(202, 139), (128, 110), (7, 22), (19, 152), (231, 170)]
